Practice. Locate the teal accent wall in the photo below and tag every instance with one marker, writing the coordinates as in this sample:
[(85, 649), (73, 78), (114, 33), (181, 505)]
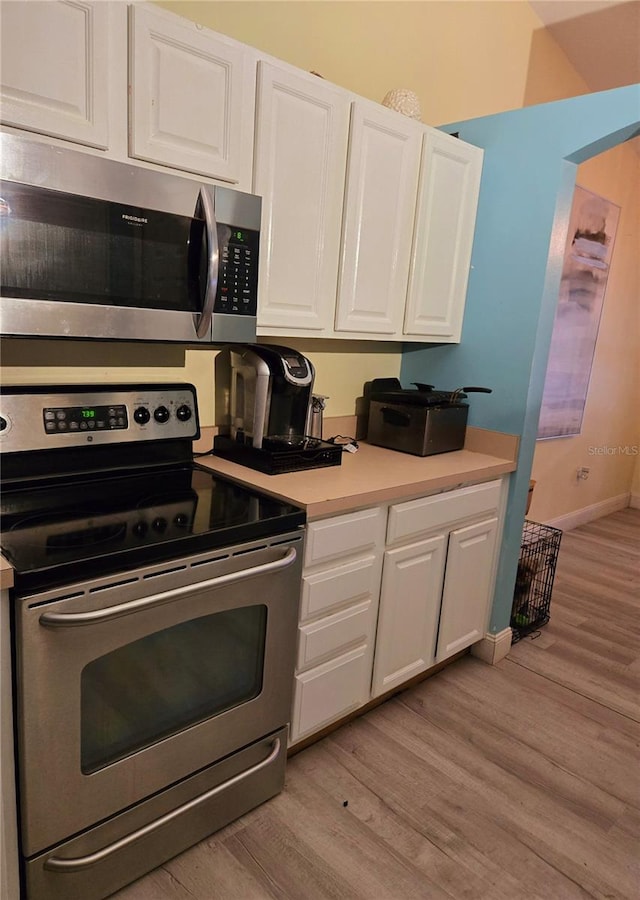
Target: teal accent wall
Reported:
[(530, 161)]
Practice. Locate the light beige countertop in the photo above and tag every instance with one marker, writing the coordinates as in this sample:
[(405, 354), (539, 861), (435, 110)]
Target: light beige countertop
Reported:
[(372, 475), (6, 574), (375, 475)]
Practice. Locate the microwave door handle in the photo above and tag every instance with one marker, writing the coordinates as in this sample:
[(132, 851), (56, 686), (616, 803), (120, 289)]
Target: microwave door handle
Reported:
[(205, 199)]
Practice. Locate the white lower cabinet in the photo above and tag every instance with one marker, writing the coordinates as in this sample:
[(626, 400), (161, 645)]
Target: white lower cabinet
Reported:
[(409, 610), (468, 586), (338, 615), (388, 592)]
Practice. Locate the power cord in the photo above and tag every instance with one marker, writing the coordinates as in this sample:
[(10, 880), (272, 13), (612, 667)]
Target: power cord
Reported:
[(349, 444)]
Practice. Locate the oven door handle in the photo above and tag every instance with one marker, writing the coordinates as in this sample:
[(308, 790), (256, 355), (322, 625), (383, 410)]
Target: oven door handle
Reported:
[(78, 863), (205, 200), (61, 620)]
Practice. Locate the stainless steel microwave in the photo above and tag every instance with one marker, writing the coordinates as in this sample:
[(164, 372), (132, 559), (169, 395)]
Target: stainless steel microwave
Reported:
[(92, 248)]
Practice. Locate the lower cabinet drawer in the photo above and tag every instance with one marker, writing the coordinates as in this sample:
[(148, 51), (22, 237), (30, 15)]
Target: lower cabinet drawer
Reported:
[(340, 536), (407, 520), (327, 692), (335, 587), (335, 634)]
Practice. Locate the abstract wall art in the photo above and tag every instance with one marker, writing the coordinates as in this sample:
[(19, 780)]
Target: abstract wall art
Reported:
[(590, 240)]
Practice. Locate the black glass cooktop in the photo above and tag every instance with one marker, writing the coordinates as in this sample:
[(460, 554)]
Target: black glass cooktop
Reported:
[(75, 528)]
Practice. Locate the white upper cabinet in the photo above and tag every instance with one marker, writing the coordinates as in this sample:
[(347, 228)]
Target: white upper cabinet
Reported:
[(55, 69), (368, 216), (302, 125), (192, 95), (445, 223), (382, 180)]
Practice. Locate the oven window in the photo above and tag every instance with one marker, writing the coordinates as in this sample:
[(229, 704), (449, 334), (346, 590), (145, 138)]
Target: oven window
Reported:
[(167, 681)]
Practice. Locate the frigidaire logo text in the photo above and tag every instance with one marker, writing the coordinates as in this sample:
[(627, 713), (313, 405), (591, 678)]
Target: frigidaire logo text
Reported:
[(139, 220)]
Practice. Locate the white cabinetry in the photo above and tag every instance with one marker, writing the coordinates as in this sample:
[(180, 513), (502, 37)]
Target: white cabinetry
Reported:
[(377, 611), (55, 69), (184, 99), (437, 586), (368, 216), (339, 607), (302, 125), (408, 617), (445, 223), (380, 202), (192, 97), (468, 586)]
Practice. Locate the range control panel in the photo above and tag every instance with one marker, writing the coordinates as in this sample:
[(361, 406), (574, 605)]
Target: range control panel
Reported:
[(41, 418)]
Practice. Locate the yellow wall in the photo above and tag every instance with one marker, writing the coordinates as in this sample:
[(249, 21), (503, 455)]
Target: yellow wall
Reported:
[(611, 422), (463, 59)]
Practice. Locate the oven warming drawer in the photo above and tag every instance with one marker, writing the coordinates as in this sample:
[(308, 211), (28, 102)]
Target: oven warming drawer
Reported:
[(113, 854)]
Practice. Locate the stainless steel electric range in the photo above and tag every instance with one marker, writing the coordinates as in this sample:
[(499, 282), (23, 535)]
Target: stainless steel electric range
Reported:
[(154, 620)]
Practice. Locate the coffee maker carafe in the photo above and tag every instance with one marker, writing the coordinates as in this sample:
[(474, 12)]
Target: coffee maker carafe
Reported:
[(263, 409)]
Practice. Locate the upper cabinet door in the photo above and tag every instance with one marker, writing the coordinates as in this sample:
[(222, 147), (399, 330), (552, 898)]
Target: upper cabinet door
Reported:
[(55, 69), (192, 97), (445, 224), (302, 127), (382, 179)]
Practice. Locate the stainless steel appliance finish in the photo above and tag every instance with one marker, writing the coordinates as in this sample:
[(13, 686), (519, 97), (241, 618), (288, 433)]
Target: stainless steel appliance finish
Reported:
[(316, 415), (93, 248), (155, 609), (423, 422)]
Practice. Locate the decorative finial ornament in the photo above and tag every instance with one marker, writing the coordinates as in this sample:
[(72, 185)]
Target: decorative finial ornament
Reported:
[(403, 101)]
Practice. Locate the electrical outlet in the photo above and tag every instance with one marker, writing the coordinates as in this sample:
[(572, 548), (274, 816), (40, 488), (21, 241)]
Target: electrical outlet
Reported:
[(583, 473)]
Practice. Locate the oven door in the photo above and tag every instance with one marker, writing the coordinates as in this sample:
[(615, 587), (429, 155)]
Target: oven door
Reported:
[(129, 684)]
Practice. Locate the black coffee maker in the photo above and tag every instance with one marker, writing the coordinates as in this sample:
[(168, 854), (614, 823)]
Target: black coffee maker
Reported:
[(263, 410)]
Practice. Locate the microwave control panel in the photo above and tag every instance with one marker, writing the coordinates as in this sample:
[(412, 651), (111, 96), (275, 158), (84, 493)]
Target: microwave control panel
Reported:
[(237, 292)]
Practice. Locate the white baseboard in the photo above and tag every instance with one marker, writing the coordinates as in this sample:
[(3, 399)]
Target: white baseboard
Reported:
[(493, 647), (635, 501), (589, 513)]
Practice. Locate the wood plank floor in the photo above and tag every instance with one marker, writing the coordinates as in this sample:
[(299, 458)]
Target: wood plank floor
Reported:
[(520, 780)]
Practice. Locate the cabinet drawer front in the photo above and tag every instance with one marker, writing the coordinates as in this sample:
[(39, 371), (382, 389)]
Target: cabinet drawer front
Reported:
[(351, 582), (343, 535), (418, 516), (335, 634), (328, 692)]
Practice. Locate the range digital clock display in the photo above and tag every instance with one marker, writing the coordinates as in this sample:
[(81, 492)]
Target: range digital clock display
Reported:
[(62, 419)]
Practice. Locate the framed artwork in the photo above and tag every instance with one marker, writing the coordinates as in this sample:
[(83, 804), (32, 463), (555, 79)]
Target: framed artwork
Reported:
[(590, 239)]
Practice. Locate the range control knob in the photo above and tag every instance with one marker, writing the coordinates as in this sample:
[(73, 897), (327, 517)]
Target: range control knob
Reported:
[(159, 524), (183, 413), (4, 423), (141, 415), (161, 414), (140, 528)]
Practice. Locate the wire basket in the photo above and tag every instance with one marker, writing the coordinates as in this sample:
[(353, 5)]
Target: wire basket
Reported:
[(534, 579)]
